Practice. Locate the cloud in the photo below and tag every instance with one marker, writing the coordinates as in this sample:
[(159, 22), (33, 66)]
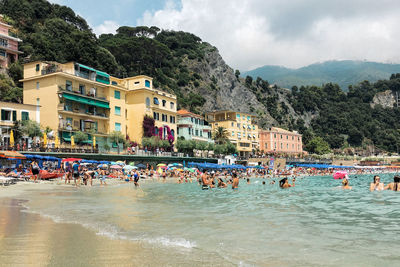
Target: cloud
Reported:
[(107, 26), (254, 33)]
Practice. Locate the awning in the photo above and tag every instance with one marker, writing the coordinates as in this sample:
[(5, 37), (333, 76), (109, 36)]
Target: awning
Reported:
[(11, 155), (67, 139), (100, 73), (86, 67), (84, 100)]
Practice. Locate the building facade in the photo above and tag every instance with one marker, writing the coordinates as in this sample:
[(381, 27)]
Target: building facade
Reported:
[(241, 127), (193, 127), (8, 45), (277, 140), (12, 112), (75, 97)]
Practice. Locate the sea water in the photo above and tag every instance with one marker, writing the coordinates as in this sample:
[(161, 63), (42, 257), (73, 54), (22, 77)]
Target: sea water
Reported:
[(313, 224)]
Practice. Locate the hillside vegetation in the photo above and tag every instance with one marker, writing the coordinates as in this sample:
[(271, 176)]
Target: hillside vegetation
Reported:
[(182, 63)]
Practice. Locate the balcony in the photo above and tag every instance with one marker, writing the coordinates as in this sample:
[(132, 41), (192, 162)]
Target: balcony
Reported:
[(76, 91), (64, 128), (88, 113)]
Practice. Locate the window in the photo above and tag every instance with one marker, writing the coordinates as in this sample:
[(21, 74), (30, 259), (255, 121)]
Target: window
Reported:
[(172, 105), (287, 146), (292, 137), (82, 89), (118, 111), (190, 131), (266, 145), (197, 132), (147, 102), (173, 133), (232, 124), (156, 116), (155, 100), (37, 67), (238, 125), (248, 118), (274, 135), (281, 145), (244, 144), (3, 53), (275, 145), (164, 118), (254, 127), (233, 133), (117, 94), (164, 103), (172, 119), (68, 85), (24, 115), (118, 126), (147, 83), (37, 85), (287, 137), (281, 137), (114, 83), (3, 42), (5, 115)]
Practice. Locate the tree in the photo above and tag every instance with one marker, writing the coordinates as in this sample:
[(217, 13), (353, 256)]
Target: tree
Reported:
[(117, 137), (237, 74), (80, 137), (318, 146), (220, 135), (31, 129)]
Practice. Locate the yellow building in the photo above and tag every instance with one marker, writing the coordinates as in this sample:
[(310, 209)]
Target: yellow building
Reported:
[(75, 97), (11, 112), (241, 127)]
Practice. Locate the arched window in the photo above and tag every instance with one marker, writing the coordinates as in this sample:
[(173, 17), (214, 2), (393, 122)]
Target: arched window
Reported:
[(173, 133), (147, 102), (147, 83), (156, 130), (164, 103), (156, 101)]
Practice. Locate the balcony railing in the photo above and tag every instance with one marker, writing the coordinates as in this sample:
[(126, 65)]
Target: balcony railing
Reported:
[(76, 91), (76, 129), (96, 114)]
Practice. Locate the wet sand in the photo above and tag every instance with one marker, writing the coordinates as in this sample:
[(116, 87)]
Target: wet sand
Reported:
[(28, 239)]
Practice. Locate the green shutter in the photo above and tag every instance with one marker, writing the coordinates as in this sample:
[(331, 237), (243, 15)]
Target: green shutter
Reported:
[(3, 115), (24, 115), (14, 115)]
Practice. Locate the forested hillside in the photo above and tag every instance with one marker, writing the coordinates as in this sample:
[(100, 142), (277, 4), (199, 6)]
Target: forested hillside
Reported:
[(182, 63)]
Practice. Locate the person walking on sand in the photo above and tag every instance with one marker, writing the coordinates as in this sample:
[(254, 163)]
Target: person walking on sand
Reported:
[(76, 174), (35, 171)]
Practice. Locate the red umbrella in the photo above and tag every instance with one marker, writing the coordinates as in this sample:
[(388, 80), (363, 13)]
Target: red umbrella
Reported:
[(70, 159)]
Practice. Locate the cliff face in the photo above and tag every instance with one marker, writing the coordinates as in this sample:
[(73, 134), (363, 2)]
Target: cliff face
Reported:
[(221, 89), (386, 99)]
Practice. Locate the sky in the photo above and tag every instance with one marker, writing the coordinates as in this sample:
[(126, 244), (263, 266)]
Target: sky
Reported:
[(254, 33)]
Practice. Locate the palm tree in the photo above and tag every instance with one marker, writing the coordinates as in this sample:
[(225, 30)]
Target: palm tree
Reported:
[(220, 135)]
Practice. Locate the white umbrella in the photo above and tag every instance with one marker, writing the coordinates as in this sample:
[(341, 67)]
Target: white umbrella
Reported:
[(129, 167)]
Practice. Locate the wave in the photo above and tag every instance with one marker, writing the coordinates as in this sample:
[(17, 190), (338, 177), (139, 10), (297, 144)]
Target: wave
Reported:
[(112, 232)]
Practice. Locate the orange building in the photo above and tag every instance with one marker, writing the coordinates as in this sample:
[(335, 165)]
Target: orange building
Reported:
[(280, 141), (8, 45)]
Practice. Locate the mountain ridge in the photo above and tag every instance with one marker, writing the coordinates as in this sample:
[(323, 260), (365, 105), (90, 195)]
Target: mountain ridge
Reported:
[(342, 72)]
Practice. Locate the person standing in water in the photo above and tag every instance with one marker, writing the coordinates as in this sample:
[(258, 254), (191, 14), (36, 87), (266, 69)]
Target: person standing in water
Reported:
[(76, 169), (235, 182), (284, 183), (376, 185), (345, 184), (395, 186), (204, 180)]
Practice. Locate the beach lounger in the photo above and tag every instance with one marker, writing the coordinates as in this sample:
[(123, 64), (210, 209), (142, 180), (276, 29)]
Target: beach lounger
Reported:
[(7, 180)]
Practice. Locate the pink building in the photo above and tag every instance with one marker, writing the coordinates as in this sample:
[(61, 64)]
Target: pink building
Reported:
[(8, 45), (280, 141)]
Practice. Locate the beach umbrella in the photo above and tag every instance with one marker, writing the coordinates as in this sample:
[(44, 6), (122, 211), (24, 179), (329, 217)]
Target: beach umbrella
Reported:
[(71, 160), (129, 167), (141, 166), (175, 165), (12, 138), (94, 141), (44, 139), (57, 142), (116, 167), (72, 141), (120, 162), (104, 162), (161, 165), (103, 166)]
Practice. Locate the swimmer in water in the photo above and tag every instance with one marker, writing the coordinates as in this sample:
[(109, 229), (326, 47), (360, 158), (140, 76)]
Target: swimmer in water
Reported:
[(395, 186), (345, 184), (376, 185), (248, 181), (284, 183), (221, 183)]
